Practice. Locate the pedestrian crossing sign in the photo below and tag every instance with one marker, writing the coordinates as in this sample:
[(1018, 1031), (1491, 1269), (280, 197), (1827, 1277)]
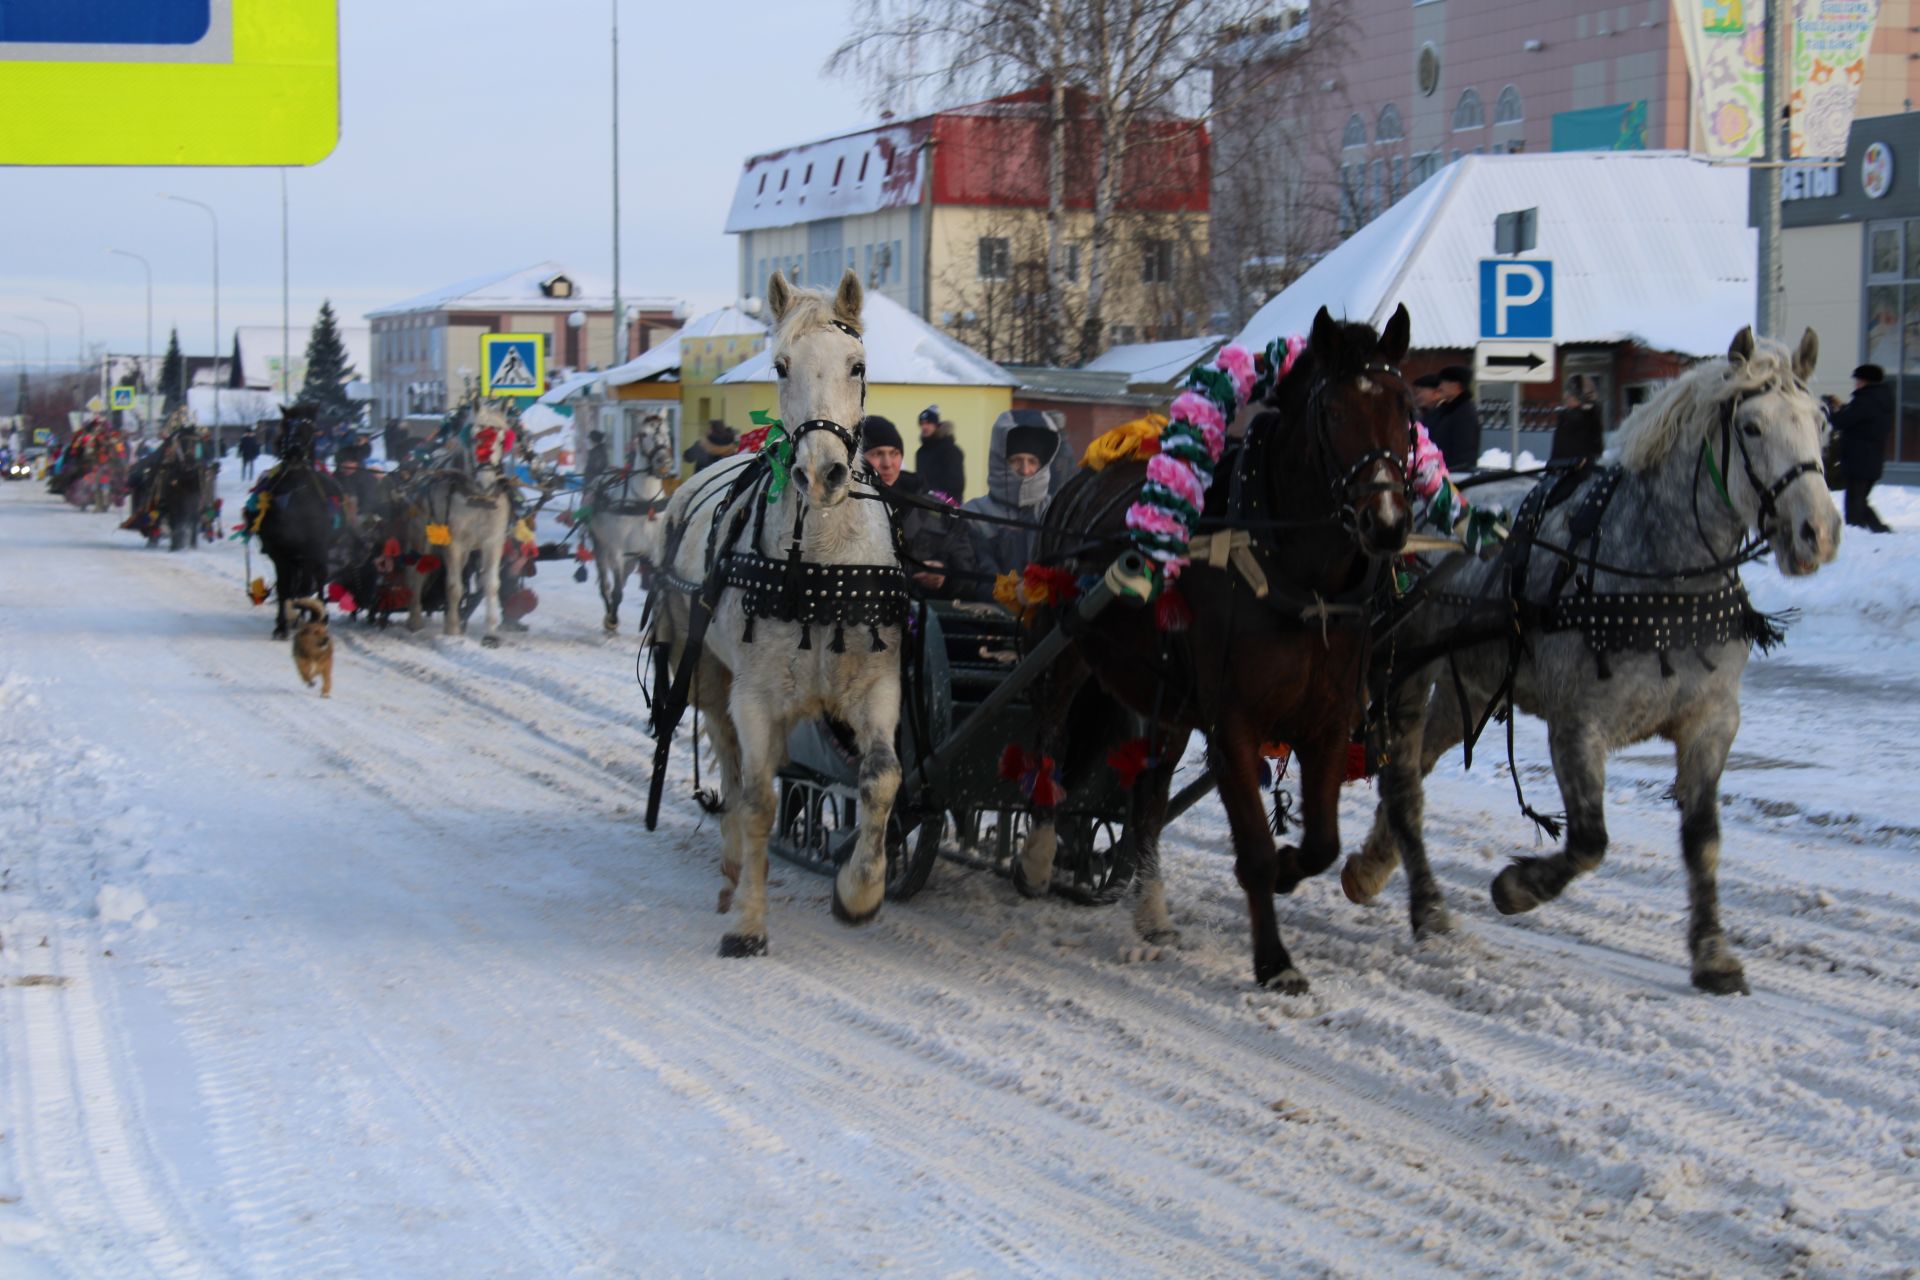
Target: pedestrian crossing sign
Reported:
[(123, 397), (169, 82), (513, 364)]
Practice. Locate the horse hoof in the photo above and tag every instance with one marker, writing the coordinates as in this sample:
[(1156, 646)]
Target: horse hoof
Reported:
[(489, 642), (1722, 982), (1360, 882), (739, 946), (1161, 937), (1436, 921), (1026, 887), (1288, 982), (1510, 896), (847, 916)]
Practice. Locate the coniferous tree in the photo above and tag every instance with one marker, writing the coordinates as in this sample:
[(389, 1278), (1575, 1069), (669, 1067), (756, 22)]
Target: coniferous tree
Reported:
[(173, 377), (236, 377), (327, 376)]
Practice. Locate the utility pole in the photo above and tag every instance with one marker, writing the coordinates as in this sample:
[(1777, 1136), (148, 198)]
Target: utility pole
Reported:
[(619, 344), (286, 323), (215, 219), (1765, 181)]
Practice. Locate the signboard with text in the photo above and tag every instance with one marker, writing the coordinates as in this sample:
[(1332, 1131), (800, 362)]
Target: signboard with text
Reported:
[(1516, 298)]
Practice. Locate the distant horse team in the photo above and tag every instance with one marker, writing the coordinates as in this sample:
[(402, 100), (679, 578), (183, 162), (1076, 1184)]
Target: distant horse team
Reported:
[(1310, 626)]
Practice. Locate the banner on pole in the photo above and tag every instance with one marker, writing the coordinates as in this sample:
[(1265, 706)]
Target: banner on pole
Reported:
[(1725, 43)]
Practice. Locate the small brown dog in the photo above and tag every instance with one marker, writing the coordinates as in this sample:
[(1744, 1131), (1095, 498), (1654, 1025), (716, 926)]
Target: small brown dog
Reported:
[(313, 647)]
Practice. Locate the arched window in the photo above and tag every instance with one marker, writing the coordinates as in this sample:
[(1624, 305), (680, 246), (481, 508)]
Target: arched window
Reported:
[(1356, 133), (1388, 128), (1507, 109), (1468, 113)]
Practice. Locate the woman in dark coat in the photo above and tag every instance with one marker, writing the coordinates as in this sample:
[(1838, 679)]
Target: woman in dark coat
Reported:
[(1454, 423), (1863, 425), (1577, 434), (940, 462)]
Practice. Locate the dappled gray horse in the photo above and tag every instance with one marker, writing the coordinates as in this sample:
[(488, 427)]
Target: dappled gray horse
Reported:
[(625, 509), (1631, 623)]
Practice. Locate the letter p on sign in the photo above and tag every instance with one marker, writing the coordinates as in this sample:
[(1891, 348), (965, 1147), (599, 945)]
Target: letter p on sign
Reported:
[(1516, 299)]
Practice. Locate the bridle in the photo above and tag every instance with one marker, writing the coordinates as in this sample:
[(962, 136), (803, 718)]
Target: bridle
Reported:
[(1768, 495), (1348, 489)]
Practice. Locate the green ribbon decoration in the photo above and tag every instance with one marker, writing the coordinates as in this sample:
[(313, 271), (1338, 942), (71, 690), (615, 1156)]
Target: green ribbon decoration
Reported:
[(777, 449), (1713, 470)]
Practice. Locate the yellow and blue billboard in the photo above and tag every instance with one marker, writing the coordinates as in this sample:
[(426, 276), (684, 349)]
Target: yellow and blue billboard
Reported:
[(169, 82)]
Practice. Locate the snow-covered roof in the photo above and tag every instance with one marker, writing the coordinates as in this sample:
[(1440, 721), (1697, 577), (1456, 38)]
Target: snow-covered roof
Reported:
[(727, 322), (1647, 246), (1153, 363), (568, 388), (902, 349), (854, 173), (239, 407), (260, 349), (521, 289)]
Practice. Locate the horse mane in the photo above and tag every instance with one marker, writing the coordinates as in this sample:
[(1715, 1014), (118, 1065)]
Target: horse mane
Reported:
[(489, 414), (1684, 410)]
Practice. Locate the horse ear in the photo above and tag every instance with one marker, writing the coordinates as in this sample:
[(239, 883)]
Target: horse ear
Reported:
[(779, 296), (1742, 349), (1806, 355), (1394, 338), (1324, 338), (849, 299)]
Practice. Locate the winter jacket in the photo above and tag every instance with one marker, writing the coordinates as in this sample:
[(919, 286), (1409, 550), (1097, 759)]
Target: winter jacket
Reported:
[(249, 447), (1863, 424), (597, 459), (1001, 548), (703, 453), (1455, 428), (941, 464), (932, 537), (1577, 434)]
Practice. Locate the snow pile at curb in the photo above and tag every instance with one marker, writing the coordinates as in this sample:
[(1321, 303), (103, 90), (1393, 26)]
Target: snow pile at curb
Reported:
[(1867, 600)]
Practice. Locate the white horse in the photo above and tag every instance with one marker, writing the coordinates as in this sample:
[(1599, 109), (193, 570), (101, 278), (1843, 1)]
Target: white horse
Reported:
[(756, 674), (476, 510), (1615, 628), (625, 520)]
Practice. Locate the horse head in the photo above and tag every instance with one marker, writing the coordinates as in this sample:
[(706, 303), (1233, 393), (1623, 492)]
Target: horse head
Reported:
[(1362, 406), (822, 366), (1768, 447)]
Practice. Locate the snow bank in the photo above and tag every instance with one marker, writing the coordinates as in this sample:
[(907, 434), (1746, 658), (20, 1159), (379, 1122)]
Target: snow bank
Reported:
[(1864, 608)]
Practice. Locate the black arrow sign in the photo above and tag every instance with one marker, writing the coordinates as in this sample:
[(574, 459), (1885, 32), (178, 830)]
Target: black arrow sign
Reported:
[(1529, 361)]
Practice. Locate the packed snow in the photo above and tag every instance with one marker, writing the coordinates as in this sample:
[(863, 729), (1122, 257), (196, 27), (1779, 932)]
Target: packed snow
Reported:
[(397, 984)]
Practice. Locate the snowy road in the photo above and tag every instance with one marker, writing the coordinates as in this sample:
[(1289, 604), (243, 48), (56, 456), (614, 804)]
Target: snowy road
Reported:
[(397, 985)]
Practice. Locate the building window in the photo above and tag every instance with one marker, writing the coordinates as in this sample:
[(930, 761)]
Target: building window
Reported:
[(1377, 201), (1388, 128), (863, 166), (1398, 187), (1467, 112), (1072, 253), (996, 258), (783, 179), (898, 263), (1121, 333), (1157, 262), (807, 177), (763, 186), (838, 166), (1507, 109), (1356, 133)]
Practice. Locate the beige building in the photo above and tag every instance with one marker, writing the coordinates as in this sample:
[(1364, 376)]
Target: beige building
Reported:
[(425, 354)]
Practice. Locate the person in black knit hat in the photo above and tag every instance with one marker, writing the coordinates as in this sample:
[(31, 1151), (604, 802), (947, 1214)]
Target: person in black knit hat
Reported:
[(939, 554), (941, 462), (1863, 425)]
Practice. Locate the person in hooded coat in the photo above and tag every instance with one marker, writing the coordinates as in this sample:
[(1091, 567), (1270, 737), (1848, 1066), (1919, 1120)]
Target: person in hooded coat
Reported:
[(1023, 450), (939, 462), (1863, 425), (597, 456)]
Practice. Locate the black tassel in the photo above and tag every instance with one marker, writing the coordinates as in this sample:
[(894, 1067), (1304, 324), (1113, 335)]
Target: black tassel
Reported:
[(878, 645), (839, 642), (1602, 666), (1282, 811), (580, 574), (1549, 825), (1767, 630), (746, 633), (806, 635), (1666, 667)]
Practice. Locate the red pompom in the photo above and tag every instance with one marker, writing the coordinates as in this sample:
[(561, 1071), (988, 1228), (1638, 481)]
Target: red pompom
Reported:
[(1129, 760), (392, 549), (583, 553), (1013, 763), (1045, 792), (1356, 761), (753, 440), (1171, 611), (427, 564)]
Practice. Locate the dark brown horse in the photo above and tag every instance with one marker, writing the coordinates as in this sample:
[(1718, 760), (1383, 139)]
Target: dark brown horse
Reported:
[(1320, 484)]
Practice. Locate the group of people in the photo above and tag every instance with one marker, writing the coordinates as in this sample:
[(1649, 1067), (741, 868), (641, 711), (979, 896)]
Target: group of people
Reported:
[(1445, 404)]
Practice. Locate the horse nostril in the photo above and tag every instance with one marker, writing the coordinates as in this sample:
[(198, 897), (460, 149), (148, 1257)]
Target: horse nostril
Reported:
[(1807, 534), (836, 475), (800, 474)]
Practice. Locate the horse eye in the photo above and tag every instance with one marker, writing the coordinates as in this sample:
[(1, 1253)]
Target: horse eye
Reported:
[(859, 371), (780, 367), (1750, 428)]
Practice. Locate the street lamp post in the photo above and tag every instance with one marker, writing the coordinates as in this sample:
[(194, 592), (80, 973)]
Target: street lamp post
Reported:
[(146, 356), (46, 343), (80, 363), (215, 219)]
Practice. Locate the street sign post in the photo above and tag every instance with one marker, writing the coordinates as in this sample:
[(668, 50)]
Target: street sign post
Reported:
[(1516, 317), (169, 82), (513, 364), (1513, 362), (123, 397)]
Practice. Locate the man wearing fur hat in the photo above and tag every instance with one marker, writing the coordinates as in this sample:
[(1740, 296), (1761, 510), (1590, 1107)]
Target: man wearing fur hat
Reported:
[(941, 464)]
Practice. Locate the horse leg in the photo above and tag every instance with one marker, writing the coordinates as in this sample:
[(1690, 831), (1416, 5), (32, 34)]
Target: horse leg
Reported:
[(1702, 755), (609, 588), (456, 571), (1153, 788), (710, 695), (1399, 819), (761, 737), (1580, 763), (1235, 751), (1033, 866), (416, 585), (1323, 770), (490, 588), (283, 609), (862, 883)]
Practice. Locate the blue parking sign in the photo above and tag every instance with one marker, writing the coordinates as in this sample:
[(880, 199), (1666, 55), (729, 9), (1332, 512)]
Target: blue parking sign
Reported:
[(1516, 298)]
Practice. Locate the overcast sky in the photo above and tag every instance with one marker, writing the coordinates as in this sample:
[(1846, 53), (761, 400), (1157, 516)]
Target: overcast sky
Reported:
[(474, 138)]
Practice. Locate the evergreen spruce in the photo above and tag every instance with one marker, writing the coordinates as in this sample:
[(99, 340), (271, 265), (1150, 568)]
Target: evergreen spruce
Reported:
[(173, 377), (327, 376), (236, 378)]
